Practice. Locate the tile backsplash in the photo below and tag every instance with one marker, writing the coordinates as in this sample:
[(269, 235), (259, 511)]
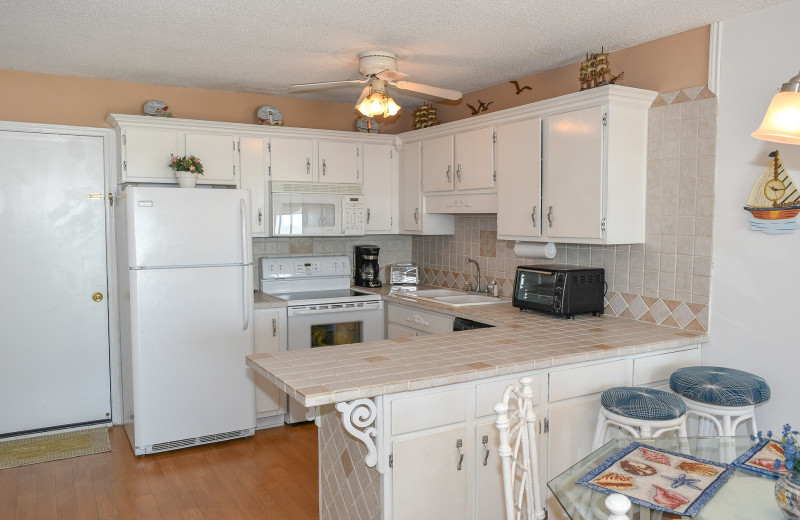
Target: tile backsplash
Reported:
[(667, 279)]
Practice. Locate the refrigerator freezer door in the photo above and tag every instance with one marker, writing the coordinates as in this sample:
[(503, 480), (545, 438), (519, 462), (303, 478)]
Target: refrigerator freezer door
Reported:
[(180, 227), (192, 329)]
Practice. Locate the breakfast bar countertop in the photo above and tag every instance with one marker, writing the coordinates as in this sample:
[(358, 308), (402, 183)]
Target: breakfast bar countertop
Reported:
[(519, 342)]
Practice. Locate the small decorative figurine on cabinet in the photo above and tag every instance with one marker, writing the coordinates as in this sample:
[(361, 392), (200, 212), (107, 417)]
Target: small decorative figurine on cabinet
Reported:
[(425, 116), (269, 115), (596, 71), (157, 109)]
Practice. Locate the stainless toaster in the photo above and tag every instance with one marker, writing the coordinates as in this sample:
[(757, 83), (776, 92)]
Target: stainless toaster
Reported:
[(404, 274)]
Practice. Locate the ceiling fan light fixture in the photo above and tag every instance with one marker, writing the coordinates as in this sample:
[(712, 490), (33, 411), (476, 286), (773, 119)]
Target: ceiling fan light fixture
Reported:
[(378, 103)]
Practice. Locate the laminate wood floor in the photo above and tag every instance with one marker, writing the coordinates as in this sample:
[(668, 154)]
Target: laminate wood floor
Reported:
[(272, 475)]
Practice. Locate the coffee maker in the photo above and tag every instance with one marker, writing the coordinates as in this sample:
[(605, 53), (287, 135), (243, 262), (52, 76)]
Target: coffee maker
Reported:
[(367, 270)]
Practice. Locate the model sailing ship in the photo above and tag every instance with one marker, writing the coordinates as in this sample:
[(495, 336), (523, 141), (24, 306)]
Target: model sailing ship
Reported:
[(596, 71), (774, 202)]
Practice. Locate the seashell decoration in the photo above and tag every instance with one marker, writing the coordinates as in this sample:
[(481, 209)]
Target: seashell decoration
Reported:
[(157, 109)]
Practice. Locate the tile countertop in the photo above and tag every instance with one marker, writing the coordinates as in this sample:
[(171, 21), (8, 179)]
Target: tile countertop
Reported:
[(519, 342)]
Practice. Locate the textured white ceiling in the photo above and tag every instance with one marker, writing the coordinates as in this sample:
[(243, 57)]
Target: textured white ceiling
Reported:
[(262, 46)]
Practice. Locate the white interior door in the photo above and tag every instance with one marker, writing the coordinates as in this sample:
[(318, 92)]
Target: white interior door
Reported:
[(53, 335)]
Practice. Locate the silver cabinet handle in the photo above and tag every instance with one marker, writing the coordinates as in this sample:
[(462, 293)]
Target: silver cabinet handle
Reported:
[(449, 177), (459, 444), (486, 447), (275, 333), (458, 173), (368, 215), (308, 165), (550, 216), (533, 216), (416, 214), (260, 216), (324, 166)]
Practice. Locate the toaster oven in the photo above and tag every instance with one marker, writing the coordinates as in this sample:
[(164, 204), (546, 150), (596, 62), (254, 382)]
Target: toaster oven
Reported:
[(560, 290)]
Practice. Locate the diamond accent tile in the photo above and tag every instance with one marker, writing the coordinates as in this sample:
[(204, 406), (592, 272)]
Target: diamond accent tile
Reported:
[(683, 314), (660, 311), (638, 307), (618, 304)]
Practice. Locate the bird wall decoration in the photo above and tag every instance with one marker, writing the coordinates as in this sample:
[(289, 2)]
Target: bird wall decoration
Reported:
[(482, 107), (519, 89)]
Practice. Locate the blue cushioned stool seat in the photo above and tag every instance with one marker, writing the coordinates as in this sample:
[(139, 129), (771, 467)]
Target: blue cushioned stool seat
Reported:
[(719, 386), (641, 412), (645, 404)]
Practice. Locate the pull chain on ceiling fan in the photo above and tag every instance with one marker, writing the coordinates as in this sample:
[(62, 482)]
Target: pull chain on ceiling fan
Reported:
[(379, 69)]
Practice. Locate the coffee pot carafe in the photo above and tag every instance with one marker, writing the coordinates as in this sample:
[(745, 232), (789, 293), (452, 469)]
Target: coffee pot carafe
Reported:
[(367, 271)]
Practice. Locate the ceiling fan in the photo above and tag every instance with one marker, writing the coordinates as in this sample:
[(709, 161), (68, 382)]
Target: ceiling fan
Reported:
[(379, 69)]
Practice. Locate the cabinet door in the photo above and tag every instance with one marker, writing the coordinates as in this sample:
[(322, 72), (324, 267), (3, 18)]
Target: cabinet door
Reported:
[(410, 196), (427, 481), (519, 178), (437, 164), (474, 164), (270, 338), (574, 174), (489, 503), (290, 160), (339, 162), (147, 153), (378, 192), (218, 155), (253, 161)]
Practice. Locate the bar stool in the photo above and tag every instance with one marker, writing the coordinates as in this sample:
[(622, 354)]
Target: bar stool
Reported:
[(641, 411), (716, 393)]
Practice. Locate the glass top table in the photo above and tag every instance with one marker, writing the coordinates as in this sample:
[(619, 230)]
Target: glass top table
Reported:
[(746, 495)]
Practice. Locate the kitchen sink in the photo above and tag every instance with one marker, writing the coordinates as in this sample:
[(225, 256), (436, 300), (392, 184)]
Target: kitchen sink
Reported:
[(468, 299), (436, 293)]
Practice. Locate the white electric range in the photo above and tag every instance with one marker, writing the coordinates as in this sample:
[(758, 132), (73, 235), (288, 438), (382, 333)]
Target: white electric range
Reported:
[(323, 310)]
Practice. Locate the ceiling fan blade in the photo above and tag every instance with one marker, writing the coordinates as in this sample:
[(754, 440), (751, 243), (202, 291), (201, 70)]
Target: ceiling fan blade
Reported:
[(455, 95), (390, 75), (364, 94), (323, 84)]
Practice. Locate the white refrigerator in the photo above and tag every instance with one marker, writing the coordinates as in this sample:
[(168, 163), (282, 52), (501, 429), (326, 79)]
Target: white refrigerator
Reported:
[(186, 316)]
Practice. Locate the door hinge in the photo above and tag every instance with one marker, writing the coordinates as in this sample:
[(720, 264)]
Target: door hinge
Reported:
[(234, 170), (603, 224), (494, 176), (124, 139), (605, 119), (546, 425), (391, 153), (110, 199), (269, 146), (358, 152), (238, 145), (494, 136), (234, 145), (125, 165), (391, 460), (269, 171)]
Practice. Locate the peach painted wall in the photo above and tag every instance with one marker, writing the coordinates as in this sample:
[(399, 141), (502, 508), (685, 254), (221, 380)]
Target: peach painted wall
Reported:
[(70, 100), (664, 65)]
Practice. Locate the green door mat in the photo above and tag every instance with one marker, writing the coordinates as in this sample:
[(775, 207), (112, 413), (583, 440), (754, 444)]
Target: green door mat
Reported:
[(32, 450)]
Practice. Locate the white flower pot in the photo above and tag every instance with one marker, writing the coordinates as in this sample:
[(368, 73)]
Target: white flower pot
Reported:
[(186, 179)]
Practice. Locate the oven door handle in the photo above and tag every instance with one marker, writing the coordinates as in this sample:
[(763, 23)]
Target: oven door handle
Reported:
[(365, 307)]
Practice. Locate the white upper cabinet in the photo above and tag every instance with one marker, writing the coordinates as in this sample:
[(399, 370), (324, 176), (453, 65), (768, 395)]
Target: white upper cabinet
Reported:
[(462, 161), (378, 183), (146, 154), (339, 162), (413, 219), (291, 160), (218, 153), (574, 174), (519, 179), (253, 161)]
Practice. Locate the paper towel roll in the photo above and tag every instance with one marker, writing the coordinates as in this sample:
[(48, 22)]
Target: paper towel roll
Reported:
[(535, 249)]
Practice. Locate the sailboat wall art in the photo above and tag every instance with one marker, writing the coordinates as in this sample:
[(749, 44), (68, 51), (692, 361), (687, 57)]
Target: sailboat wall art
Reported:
[(774, 202)]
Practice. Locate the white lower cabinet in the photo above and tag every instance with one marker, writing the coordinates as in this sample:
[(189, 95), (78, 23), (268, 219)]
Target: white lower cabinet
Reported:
[(404, 322), (269, 326), (430, 478)]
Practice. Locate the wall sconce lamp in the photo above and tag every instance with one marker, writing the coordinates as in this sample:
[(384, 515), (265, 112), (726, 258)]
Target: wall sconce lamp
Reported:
[(781, 123), (378, 101)]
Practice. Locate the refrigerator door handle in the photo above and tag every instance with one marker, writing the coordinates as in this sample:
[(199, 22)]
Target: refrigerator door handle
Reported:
[(243, 214), (245, 306)]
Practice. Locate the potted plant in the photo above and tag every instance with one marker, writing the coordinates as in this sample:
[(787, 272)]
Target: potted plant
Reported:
[(187, 168), (787, 488)]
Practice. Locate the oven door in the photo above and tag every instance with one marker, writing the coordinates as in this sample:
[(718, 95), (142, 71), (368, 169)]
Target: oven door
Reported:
[(317, 326)]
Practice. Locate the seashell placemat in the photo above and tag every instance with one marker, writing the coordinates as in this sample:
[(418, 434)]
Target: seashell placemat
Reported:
[(659, 479), (761, 459)]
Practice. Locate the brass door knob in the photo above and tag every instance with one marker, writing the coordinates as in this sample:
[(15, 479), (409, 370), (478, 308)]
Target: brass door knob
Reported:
[(98, 296)]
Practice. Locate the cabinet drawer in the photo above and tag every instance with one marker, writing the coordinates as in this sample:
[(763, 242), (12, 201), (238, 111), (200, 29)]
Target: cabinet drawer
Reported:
[(489, 394), (419, 320), (587, 380), (428, 411), (658, 368)]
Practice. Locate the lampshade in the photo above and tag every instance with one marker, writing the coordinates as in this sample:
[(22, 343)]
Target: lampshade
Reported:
[(378, 102), (781, 123)]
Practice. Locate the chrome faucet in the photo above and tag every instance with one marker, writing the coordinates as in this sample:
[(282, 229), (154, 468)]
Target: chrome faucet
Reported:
[(478, 284)]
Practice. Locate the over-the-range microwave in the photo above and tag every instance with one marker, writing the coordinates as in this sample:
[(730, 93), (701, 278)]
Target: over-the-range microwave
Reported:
[(315, 209)]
